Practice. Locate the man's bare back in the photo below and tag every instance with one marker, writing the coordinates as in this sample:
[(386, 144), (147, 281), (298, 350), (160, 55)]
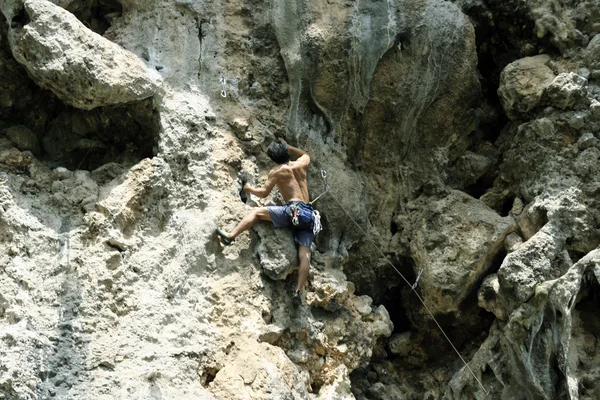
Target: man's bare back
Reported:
[(291, 181)]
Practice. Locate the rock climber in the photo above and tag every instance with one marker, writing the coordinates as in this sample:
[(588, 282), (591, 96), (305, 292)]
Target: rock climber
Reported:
[(297, 214)]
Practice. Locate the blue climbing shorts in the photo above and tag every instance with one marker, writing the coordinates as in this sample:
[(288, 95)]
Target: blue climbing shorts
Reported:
[(282, 219)]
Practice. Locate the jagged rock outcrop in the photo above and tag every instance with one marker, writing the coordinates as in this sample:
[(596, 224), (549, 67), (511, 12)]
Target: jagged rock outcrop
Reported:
[(455, 242), (522, 84), (82, 68), (555, 324)]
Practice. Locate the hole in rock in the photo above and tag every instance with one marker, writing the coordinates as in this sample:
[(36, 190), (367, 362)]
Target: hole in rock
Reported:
[(79, 139), (96, 14), (393, 226), (384, 285), (589, 300), (575, 255), (479, 188), (20, 19), (316, 387), (507, 204), (208, 375)]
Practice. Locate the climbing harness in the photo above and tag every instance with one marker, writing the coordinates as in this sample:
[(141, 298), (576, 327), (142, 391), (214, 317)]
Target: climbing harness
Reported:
[(302, 215), (412, 286), (223, 82)]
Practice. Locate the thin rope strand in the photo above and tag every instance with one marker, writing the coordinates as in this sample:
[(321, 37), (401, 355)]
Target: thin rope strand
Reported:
[(319, 196), (415, 291)]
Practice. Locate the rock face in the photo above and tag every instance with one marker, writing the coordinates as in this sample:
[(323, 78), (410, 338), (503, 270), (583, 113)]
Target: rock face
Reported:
[(80, 67), (455, 243), (522, 84), (460, 143)]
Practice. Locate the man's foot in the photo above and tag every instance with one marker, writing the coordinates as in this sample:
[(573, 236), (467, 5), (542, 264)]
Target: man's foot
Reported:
[(296, 299), (225, 239)]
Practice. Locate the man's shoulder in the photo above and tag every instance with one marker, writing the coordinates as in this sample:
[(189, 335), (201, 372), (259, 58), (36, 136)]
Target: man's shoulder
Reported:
[(276, 171), (298, 165)]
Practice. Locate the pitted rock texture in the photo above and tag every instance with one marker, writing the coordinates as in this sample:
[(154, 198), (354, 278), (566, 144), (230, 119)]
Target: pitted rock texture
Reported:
[(522, 84), (455, 243), (82, 68), (461, 138)]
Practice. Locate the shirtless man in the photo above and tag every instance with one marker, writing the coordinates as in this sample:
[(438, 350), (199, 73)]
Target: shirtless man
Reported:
[(290, 178)]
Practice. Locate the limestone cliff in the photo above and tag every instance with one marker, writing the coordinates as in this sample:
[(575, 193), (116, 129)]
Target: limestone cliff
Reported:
[(462, 136)]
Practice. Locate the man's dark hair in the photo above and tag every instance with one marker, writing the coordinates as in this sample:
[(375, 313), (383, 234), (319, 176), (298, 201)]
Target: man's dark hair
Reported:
[(278, 152)]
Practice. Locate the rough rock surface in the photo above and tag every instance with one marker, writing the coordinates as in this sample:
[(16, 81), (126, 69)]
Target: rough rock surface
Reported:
[(522, 84), (82, 68), (461, 137), (455, 242)]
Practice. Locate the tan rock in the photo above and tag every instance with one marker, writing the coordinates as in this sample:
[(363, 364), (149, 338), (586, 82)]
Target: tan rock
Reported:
[(263, 373), (522, 84)]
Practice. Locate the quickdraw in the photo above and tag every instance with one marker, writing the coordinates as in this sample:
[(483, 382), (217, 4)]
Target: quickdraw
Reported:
[(223, 82), (326, 185), (414, 286)]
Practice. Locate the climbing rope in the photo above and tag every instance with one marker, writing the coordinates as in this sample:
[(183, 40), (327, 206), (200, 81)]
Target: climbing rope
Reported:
[(412, 286)]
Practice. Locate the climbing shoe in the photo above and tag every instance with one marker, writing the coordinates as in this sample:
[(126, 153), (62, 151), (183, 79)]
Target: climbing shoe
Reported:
[(296, 299), (226, 240)]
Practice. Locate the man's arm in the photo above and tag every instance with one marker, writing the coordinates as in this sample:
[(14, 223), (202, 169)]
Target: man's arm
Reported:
[(264, 191), (301, 155)]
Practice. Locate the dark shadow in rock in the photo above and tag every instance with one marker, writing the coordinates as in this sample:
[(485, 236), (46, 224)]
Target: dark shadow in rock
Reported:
[(208, 375), (479, 188), (20, 19), (97, 15), (64, 372), (70, 137), (125, 134), (589, 300)]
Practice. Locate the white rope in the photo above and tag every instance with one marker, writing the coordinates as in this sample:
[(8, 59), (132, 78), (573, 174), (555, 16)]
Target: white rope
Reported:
[(316, 222), (413, 287)]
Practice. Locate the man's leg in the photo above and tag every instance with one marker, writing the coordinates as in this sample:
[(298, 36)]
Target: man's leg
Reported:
[(304, 260), (255, 215)]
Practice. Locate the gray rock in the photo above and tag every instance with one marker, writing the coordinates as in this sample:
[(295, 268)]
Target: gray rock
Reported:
[(24, 139), (265, 371), (593, 53), (587, 140), (454, 243), (277, 251), (542, 257), (566, 90), (512, 242), (584, 72), (82, 68), (15, 158), (553, 325), (577, 121), (522, 84), (489, 297), (400, 343)]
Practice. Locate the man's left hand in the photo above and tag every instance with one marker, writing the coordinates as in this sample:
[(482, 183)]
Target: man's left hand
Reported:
[(247, 188)]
